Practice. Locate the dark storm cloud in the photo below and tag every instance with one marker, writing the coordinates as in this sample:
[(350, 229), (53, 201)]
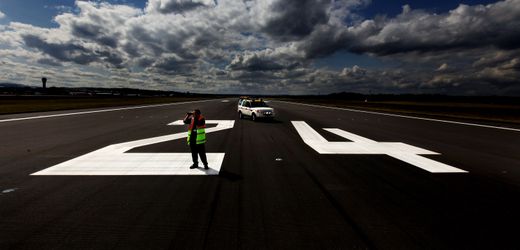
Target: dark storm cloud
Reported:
[(477, 42), (67, 52), (173, 65), (466, 27), (324, 41), (108, 41), (131, 49), (94, 32), (254, 63), (175, 6), (112, 59), (184, 39), (141, 37), (70, 52), (272, 45), (292, 19), (497, 58), (49, 61), (144, 62), (85, 30), (180, 6), (463, 28)]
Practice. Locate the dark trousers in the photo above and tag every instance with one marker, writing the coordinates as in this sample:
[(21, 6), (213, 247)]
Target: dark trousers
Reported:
[(198, 149)]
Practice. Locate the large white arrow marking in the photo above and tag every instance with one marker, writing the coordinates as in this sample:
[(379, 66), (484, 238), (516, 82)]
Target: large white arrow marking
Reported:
[(112, 160), (362, 145)]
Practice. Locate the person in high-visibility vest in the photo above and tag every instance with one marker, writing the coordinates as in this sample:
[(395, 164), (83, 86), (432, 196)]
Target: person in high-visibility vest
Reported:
[(197, 137)]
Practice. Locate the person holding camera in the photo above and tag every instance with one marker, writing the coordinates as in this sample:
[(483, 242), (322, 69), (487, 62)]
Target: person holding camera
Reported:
[(197, 137)]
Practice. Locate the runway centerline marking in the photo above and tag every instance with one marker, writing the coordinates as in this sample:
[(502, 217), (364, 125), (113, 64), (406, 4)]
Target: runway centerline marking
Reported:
[(361, 145), (113, 159)]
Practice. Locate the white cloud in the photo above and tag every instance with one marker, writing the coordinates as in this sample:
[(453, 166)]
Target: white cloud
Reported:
[(443, 67), (2, 15), (269, 45)]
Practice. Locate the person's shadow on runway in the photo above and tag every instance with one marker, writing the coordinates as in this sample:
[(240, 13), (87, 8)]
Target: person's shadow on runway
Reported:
[(229, 176)]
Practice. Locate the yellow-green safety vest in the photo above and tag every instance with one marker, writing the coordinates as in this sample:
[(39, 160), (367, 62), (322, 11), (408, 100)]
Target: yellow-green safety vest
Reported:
[(200, 130)]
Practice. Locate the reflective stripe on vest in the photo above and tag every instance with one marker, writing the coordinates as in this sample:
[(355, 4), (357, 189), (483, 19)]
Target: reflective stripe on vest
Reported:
[(200, 130)]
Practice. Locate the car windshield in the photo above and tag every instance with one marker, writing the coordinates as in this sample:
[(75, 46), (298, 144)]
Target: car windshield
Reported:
[(258, 104)]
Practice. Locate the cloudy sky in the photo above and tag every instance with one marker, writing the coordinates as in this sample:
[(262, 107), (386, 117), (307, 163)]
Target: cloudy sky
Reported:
[(265, 46)]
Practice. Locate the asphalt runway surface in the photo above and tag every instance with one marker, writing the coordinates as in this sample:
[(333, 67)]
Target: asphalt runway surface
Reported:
[(273, 190)]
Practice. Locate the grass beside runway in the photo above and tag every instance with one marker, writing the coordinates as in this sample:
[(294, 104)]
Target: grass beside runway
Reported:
[(25, 104), (475, 111)]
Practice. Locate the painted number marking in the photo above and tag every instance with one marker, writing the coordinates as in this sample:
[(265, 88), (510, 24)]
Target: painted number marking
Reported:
[(362, 145), (113, 159)]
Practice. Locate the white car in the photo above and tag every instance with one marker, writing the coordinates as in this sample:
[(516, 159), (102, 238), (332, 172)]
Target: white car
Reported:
[(255, 108)]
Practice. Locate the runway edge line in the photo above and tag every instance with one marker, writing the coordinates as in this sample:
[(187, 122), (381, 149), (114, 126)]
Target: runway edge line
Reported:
[(101, 111), (403, 116)]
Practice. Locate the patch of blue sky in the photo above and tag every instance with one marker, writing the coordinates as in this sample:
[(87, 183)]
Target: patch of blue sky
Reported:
[(34, 12), (244, 33), (41, 13)]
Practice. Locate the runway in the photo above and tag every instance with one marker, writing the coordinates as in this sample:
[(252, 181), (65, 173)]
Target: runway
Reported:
[(313, 178)]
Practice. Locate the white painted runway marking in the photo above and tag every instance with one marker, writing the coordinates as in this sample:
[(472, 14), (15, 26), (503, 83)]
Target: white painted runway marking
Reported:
[(97, 111), (9, 190), (362, 145), (405, 116), (113, 159)]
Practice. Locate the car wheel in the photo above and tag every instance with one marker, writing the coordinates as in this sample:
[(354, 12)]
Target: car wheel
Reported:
[(240, 115), (254, 117)]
